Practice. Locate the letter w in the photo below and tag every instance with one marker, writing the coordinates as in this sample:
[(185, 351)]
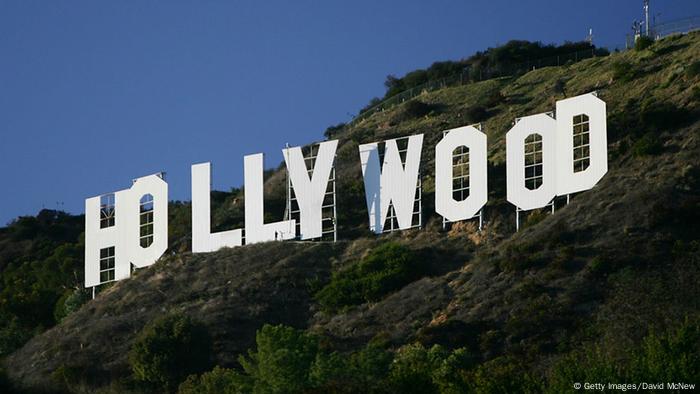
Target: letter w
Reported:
[(392, 183)]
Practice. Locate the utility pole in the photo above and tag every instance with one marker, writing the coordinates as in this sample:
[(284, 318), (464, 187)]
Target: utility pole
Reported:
[(646, 19)]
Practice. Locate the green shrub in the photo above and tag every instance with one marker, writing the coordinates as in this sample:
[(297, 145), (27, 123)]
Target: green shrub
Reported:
[(656, 116), (332, 131), (493, 99), (369, 367), (518, 257), (218, 381), (290, 361), (411, 371), (282, 360), (672, 356), (538, 316), (69, 377), (588, 365), (649, 144), (5, 384), (168, 350), (287, 360), (70, 302), (12, 335), (624, 71), (642, 43), (329, 372), (668, 357), (417, 109), (503, 375), (385, 269), (559, 86), (373, 102), (599, 266), (38, 277), (693, 69), (416, 369), (535, 217), (364, 371), (695, 95), (476, 114), (412, 110)]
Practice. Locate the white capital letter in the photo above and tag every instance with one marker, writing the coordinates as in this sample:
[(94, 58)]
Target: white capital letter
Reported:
[(310, 193), (531, 162), (476, 175), (255, 228), (392, 183), (582, 143), (203, 240)]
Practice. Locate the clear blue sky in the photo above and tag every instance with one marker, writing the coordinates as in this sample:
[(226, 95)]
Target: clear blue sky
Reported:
[(96, 93)]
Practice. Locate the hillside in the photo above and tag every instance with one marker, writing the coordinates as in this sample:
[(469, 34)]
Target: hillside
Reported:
[(618, 262)]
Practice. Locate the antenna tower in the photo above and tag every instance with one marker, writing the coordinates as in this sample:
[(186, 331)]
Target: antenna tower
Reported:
[(646, 19)]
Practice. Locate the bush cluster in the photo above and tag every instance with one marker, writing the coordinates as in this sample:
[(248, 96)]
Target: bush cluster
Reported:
[(39, 258), (503, 58), (662, 357), (695, 94), (217, 381), (642, 43), (624, 71), (659, 115), (649, 144), (476, 114), (693, 69), (332, 131), (385, 269), (413, 109), (168, 350), (287, 360), (70, 302), (645, 122)]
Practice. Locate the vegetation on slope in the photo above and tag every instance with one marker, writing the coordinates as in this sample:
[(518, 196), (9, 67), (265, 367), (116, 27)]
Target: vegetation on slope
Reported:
[(287, 360), (606, 286), (168, 350), (498, 61), (41, 265), (385, 269)]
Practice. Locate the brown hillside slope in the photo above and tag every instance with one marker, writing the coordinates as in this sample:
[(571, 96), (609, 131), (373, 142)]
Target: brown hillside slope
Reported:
[(603, 268)]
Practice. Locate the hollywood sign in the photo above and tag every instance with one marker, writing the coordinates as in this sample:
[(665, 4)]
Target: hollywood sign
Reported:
[(546, 156)]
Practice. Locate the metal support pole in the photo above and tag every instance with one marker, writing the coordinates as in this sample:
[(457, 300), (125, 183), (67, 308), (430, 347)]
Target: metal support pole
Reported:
[(517, 219), (567, 199), (289, 184), (335, 216), (420, 200), (481, 218), (93, 292)]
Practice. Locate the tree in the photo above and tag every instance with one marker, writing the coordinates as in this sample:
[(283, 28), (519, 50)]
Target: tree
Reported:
[(282, 361), (169, 349), (218, 381)]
